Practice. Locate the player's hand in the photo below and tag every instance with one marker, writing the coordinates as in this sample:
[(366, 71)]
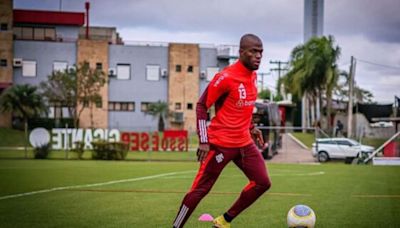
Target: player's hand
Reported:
[(202, 151), (258, 135)]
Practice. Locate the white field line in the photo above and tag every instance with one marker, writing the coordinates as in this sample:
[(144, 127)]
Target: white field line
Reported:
[(298, 141), (92, 185)]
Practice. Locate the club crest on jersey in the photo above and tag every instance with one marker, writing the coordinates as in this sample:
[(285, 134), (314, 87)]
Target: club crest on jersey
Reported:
[(219, 158), (242, 91)]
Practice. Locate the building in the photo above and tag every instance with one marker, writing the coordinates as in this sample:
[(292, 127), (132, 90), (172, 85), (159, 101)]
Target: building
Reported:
[(34, 43), (313, 27), (313, 18)]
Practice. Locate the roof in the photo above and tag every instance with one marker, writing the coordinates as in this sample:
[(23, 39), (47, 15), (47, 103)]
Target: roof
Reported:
[(49, 17)]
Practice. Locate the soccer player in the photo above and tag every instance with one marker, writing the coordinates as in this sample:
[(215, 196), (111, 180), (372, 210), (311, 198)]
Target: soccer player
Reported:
[(233, 91)]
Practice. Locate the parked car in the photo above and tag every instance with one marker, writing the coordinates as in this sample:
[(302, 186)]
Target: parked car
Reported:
[(339, 148)]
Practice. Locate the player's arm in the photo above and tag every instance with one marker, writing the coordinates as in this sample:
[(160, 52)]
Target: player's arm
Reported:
[(255, 132), (217, 87)]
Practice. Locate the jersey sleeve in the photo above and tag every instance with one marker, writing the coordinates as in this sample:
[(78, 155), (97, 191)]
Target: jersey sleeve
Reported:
[(217, 87)]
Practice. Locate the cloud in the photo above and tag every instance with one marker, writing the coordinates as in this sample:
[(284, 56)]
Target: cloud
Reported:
[(366, 29), (376, 20), (378, 65)]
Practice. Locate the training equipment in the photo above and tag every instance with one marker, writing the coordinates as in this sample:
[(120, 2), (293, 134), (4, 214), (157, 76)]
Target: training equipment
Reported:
[(220, 222), (301, 216), (206, 218)]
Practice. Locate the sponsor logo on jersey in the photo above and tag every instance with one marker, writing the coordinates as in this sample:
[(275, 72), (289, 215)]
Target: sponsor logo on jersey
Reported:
[(244, 103)]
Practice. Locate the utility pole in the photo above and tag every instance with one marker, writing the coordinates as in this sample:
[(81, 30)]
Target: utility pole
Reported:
[(279, 69), (262, 79), (350, 104)]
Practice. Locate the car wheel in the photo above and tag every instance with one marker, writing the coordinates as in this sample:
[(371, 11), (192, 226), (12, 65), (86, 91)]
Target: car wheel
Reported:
[(323, 156), (349, 160)]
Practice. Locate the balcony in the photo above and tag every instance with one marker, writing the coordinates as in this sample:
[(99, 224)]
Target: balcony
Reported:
[(227, 52)]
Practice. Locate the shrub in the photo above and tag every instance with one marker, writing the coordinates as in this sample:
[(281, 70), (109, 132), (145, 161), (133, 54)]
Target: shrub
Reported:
[(104, 150), (41, 152), (79, 148)]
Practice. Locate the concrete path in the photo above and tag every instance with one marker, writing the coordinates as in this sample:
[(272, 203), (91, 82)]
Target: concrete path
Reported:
[(292, 152)]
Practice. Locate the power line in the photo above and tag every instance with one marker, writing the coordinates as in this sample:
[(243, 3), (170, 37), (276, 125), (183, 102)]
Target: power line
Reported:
[(378, 64), (280, 67)]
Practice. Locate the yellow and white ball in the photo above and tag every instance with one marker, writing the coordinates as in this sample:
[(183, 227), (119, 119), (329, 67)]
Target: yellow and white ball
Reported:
[(301, 216)]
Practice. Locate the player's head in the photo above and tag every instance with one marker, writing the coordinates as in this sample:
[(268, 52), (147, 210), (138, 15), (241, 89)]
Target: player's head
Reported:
[(250, 51)]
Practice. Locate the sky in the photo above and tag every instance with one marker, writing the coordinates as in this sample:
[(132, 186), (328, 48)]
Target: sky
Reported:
[(369, 30)]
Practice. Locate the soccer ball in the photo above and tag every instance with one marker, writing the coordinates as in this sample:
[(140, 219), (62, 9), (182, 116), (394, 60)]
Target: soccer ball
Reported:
[(301, 216)]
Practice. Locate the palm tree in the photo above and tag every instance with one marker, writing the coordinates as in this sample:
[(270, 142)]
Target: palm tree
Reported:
[(160, 110), (25, 102), (361, 95), (313, 71)]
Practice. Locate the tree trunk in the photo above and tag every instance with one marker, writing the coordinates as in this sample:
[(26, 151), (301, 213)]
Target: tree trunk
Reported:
[(91, 115), (312, 108), (329, 110), (161, 126)]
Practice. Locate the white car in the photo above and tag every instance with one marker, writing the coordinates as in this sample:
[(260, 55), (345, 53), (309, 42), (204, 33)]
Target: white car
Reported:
[(339, 148)]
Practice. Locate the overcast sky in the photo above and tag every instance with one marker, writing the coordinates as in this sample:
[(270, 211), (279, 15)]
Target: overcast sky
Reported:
[(369, 30)]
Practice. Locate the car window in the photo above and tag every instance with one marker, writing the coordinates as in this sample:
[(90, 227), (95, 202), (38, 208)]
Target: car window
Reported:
[(344, 143), (353, 142)]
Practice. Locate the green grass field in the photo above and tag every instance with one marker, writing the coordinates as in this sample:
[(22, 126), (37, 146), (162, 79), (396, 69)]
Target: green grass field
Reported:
[(149, 194)]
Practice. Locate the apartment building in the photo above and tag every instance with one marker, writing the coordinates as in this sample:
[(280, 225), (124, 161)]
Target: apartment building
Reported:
[(35, 43)]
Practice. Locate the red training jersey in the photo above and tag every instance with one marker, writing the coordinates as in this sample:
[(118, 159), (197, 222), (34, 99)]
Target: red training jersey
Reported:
[(233, 91)]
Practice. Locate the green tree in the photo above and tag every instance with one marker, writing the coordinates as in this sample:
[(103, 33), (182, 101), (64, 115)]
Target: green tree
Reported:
[(158, 110), (77, 88), (361, 95), (266, 95), (25, 102), (60, 90), (313, 71)]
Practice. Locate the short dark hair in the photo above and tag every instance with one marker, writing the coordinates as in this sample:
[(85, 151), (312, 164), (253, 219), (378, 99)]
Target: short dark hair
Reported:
[(244, 40)]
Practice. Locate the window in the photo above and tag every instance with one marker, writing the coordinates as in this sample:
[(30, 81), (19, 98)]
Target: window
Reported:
[(153, 72), (117, 106), (99, 66), (178, 106), (38, 34), (211, 71), (29, 68), (111, 106), (144, 106), (123, 71), (121, 106), (189, 106), (178, 68), (17, 32), (31, 33), (51, 112), (3, 27), (60, 66), (131, 106), (124, 106), (190, 68), (27, 33), (3, 62), (49, 34), (65, 112)]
